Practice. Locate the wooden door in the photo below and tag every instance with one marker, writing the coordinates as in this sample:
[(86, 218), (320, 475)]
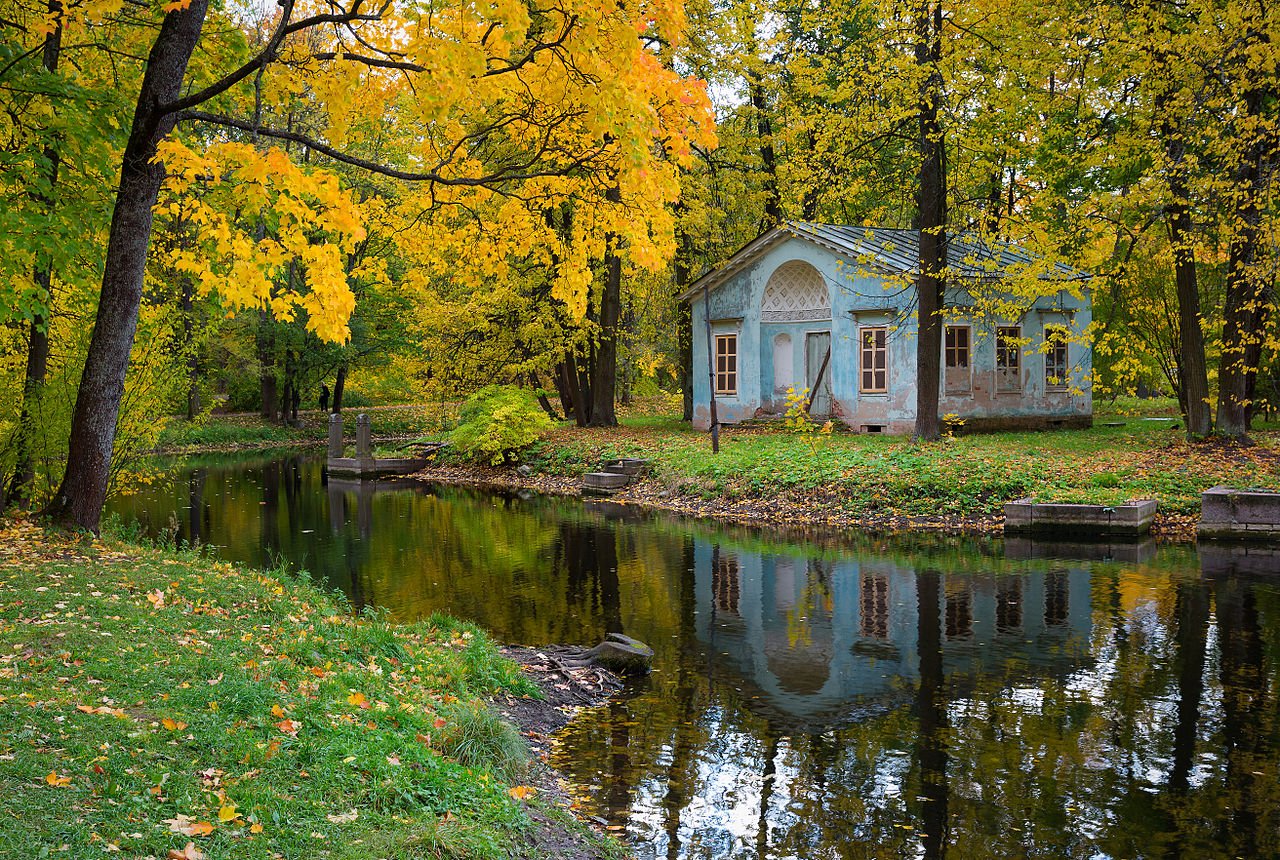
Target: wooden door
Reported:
[(817, 353)]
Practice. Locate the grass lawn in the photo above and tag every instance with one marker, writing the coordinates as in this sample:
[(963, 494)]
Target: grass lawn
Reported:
[(163, 704), (242, 430), (969, 476)]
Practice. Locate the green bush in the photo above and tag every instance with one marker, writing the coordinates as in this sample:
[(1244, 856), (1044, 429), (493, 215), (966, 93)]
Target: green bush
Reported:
[(497, 421)]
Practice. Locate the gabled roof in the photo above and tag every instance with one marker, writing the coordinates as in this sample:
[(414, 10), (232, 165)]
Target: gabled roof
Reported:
[(890, 250)]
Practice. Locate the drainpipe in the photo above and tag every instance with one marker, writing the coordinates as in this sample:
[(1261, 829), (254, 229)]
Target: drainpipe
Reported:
[(711, 369)]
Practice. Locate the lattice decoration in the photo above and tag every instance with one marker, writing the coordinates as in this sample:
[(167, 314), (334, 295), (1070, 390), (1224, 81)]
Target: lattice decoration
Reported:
[(796, 292)]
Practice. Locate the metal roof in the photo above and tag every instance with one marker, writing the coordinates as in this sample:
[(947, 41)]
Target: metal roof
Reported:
[(896, 251)]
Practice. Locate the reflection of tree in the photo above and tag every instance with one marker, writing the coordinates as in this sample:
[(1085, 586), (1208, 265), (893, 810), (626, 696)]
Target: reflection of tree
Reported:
[(1245, 727), (682, 771), (195, 505), (1192, 610), (270, 511), (931, 710)]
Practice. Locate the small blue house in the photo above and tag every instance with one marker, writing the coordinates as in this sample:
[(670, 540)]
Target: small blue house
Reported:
[(832, 309)]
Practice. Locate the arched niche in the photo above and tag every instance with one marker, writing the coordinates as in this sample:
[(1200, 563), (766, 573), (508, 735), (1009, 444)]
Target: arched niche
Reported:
[(796, 292), (784, 361)]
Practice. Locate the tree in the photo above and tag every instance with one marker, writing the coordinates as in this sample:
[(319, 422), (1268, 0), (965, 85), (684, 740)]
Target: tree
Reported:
[(520, 99)]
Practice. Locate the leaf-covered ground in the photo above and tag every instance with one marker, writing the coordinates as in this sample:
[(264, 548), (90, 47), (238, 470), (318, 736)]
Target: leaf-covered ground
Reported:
[(767, 472), (163, 704)]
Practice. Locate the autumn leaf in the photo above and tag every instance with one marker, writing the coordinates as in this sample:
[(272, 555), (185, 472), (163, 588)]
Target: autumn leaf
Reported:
[(156, 598), (522, 792), (358, 700), (228, 813), (57, 781), (277, 711), (255, 827), (344, 817), (289, 727), (103, 710), (188, 826), (190, 852), (440, 722), (173, 725)]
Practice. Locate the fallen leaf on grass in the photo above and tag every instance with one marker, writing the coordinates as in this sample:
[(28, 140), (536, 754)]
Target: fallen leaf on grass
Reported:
[(343, 817), (57, 781), (191, 852), (173, 725), (103, 710), (188, 826), (228, 813), (156, 598), (522, 792), (289, 727)]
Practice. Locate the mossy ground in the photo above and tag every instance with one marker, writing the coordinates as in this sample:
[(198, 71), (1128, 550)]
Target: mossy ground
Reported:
[(150, 699)]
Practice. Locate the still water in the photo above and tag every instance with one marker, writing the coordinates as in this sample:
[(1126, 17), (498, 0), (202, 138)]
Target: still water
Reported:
[(840, 697)]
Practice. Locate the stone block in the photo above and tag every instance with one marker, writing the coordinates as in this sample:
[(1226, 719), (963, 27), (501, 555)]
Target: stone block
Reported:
[(1228, 513), (605, 482), (631, 466), (1026, 516), (335, 435)]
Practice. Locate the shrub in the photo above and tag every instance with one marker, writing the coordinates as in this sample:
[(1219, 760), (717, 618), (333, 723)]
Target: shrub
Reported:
[(497, 421)]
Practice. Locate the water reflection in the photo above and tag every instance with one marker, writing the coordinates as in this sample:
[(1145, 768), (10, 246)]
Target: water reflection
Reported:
[(835, 698)]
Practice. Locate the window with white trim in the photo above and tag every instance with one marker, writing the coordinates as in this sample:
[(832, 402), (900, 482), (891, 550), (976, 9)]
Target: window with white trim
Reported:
[(956, 360), (1008, 358), (726, 364), (1056, 375), (874, 359)]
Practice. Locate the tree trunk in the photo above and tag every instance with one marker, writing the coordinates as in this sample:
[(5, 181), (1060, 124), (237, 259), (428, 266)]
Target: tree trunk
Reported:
[(536, 383), (1245, 302), (931, 205), (1193, 377), (79, 499), (768, 158), (24, 471), (604, 367), (267, 364), (193, 361), (339, 384), (684, 326)]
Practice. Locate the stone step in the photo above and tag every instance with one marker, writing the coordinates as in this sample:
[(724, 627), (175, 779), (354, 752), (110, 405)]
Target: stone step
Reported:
[(604, 482), (632, 466)]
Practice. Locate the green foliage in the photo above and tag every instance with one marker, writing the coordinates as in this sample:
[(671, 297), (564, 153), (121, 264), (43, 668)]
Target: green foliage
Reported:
[(496, 422)]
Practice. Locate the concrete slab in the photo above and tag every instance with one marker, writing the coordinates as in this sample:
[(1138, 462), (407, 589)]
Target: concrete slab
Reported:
[(1233, 513), (1026, 516)]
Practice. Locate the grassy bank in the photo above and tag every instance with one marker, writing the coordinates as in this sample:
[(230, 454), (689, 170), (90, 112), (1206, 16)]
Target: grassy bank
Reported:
[(244, 431), (154, 700), (768, 471)]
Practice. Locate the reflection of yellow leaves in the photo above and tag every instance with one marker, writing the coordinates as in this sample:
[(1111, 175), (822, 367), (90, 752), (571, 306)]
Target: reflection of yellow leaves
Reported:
[(522, 792), (57, 781)]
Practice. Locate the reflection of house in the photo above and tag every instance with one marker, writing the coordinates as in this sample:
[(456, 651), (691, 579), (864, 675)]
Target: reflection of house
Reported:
[(830, 308), (822, 638)]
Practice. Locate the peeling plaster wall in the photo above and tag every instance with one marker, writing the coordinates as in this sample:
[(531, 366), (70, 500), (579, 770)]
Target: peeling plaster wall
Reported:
[(861, 298)]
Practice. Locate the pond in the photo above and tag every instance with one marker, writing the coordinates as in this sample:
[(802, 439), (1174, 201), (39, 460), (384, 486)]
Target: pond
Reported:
[(837, 697)]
